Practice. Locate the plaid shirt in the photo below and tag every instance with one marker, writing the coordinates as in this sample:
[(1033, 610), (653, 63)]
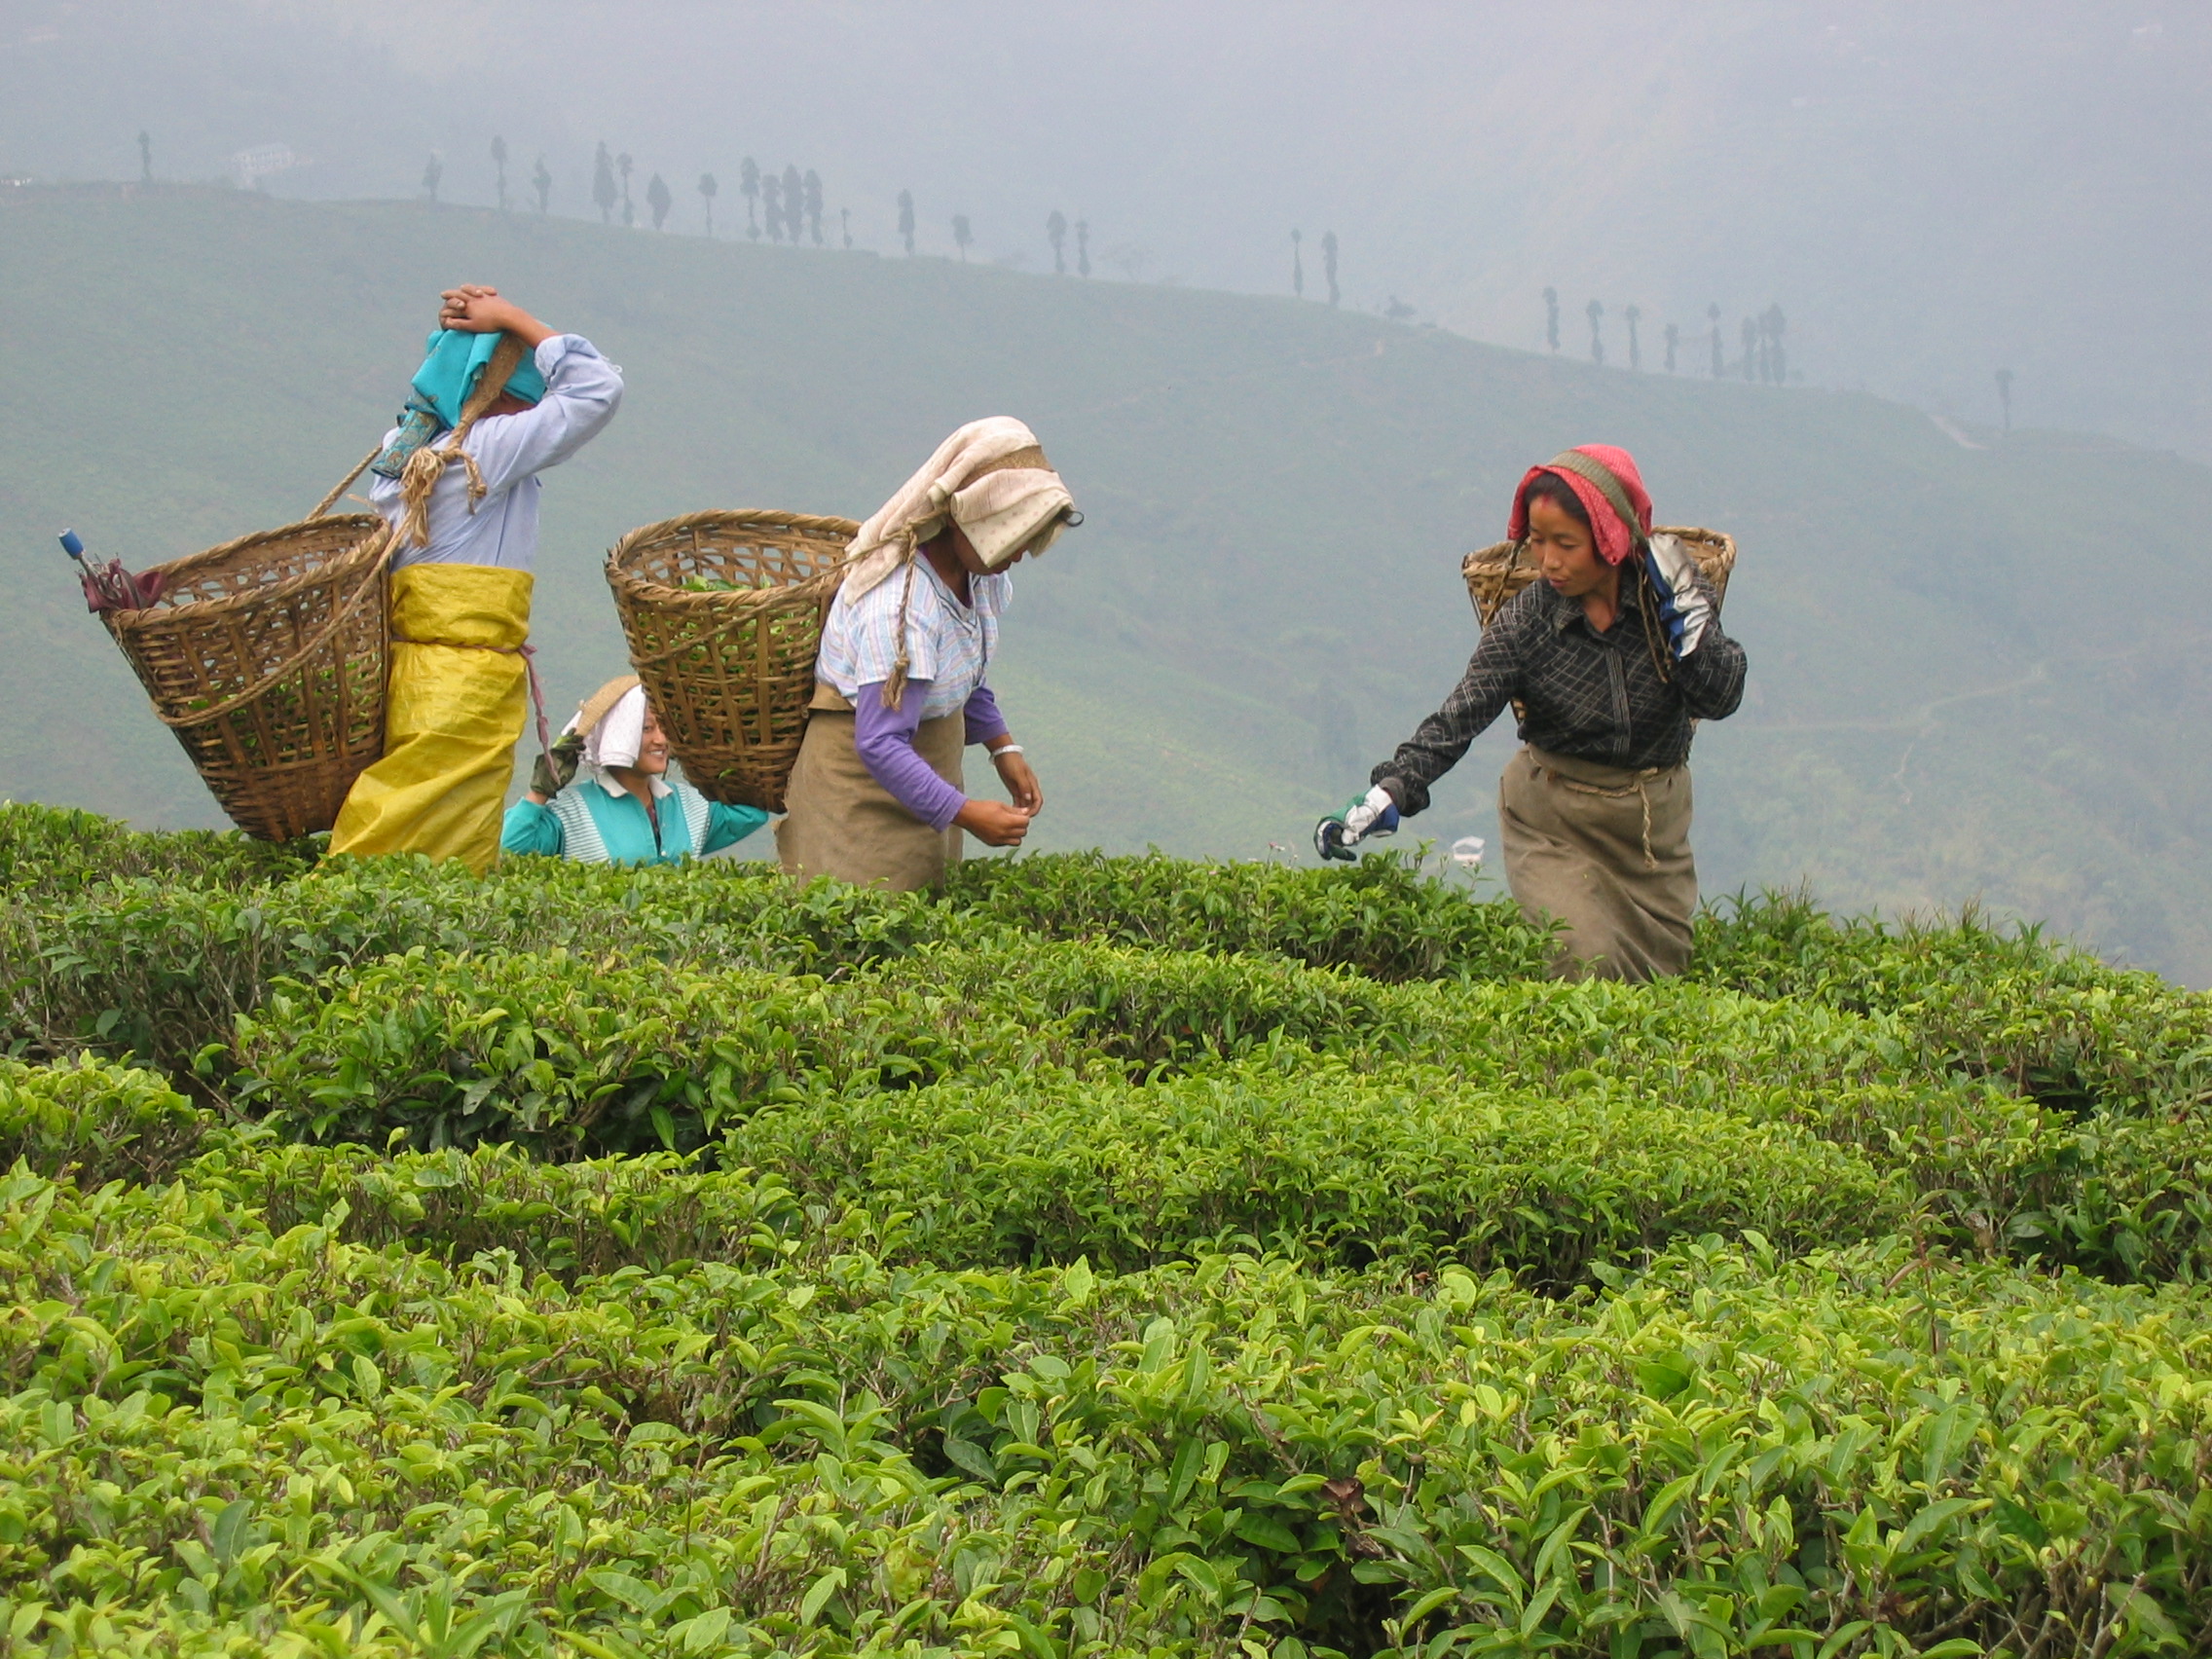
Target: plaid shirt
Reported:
[(1589, 695)]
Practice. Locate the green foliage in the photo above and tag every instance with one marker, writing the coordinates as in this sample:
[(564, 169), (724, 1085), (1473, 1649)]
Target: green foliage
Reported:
[(1322, 1161), (91, 1121), (1105, 1257), (1377, 916), (53, 851)]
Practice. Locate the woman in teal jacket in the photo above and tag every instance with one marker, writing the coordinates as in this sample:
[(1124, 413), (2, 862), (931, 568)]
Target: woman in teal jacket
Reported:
[(616, 804)]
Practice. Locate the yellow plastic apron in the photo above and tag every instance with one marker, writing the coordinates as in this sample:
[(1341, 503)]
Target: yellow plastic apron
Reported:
[(453, 712)]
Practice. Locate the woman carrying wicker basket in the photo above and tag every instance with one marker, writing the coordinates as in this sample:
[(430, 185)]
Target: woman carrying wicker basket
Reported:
[(877, 795), (622, 807), (521, 399), (1612, 655)]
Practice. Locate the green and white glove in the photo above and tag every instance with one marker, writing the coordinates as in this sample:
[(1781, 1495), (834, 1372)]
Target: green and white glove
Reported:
[(548, 777)]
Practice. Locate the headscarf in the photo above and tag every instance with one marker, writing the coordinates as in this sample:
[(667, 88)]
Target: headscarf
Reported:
[(449, 393), (612, 721), (992, 480), (1616, 538)]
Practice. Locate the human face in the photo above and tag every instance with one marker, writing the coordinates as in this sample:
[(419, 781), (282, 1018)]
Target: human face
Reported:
[(652, 747), (971, 561), (1566, 551)]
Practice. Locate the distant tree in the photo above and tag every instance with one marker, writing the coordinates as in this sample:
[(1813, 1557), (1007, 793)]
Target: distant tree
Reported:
[(1551, 317), (602, 194), (795, 204), (623, 164), (749, 186), (2005, 396), (813, 182), (1594, 310), (1082, 248), (1775, 325), (845, 218), (1634, 315), (907, 220), (1712, 315), (659, 201), (962, 237), (772, 206), (707, 188), (1673, 334), (1751, 338), (433, 172), (1329, 264), (543, 182), (145, 158), (1056, 232), (500, 161), (1297, 266), (1397, 310)]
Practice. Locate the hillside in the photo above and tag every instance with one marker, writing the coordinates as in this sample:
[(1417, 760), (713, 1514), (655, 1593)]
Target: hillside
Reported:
[(1974, 672), (1104, 1258)]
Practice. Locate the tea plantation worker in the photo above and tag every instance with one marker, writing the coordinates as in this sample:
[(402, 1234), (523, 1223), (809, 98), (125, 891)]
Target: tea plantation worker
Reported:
[(499, 398), (604, 795), (1613, 654), (877, 795)]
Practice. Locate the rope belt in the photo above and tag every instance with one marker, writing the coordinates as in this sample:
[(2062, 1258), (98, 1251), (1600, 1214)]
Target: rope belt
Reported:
[(529, 655)]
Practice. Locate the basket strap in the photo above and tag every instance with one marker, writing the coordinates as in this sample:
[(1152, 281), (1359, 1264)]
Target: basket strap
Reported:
[(367, 584), (338, 489)]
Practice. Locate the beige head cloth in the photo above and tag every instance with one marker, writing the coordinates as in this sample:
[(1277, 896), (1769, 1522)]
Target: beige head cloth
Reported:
[(990, 478)]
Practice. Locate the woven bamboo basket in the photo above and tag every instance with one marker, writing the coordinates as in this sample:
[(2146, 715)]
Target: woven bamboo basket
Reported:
[(1497, 572), (729, 667), (267, 657)]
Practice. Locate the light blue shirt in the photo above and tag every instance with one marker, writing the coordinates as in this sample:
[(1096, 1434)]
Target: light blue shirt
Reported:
[(595, 820), (582, 391), (948, 643)]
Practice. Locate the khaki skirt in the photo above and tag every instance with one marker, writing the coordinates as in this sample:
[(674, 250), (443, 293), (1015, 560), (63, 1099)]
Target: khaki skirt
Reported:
[(1606, 852), (840, 822)]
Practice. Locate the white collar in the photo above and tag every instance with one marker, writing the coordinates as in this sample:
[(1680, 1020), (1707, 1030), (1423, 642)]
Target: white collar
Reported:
[(660, 786)]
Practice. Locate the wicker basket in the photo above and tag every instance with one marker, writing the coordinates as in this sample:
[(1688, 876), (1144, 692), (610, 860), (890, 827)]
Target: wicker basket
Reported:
[(730, 668), (1495, 573), (267, 657)]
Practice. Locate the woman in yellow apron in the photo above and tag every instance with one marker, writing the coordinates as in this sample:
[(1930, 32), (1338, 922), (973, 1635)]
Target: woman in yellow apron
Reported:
[(499, 398)]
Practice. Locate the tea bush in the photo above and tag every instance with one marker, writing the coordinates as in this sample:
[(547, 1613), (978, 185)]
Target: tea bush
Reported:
[(1106, 1255)]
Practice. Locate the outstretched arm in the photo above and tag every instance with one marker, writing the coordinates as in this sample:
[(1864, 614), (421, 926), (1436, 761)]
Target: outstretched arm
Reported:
[(1494, 675)]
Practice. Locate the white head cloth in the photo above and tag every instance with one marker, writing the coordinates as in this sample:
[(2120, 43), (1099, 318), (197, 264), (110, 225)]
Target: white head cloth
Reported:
[(991, 479), (617, 736)]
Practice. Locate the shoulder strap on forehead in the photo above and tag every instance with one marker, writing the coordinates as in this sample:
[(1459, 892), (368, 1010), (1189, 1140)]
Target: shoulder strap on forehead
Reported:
[(1595, 472)]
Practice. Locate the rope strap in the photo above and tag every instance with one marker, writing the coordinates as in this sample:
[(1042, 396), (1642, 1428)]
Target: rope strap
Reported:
[(1636, 789)]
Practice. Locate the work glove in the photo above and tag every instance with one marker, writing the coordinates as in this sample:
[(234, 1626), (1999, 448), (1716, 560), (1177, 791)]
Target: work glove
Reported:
[(1374, 812), (550, 774), (1684, 611)]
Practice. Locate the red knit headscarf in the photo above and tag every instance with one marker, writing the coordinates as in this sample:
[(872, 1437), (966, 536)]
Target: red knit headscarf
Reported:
[(1615, 540)]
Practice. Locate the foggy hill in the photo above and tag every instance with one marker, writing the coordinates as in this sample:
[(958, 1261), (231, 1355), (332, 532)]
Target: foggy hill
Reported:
[(1975, 669)]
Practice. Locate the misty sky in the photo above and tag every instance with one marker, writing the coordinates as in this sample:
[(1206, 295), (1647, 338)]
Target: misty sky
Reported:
[(1931, 193)]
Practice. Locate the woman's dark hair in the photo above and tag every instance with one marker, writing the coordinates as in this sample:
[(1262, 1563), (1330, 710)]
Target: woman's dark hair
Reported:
[(1551, 487)]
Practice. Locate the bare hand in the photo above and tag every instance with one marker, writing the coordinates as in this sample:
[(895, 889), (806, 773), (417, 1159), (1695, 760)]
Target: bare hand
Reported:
[(994, 825), (1020, 782), (472, 309)]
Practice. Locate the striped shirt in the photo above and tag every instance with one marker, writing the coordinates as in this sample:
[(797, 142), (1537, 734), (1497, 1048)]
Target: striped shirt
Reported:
[(948, 643)]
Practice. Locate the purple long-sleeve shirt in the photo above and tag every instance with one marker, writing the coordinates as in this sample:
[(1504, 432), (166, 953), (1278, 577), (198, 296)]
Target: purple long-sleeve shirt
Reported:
[(885, 739)]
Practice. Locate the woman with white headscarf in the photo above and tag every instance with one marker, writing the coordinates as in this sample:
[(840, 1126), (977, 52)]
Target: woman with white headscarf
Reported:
[(606, 798), (877, 795)]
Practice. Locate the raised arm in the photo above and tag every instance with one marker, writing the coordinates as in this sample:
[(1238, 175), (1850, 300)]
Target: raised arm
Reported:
[(582, 391)]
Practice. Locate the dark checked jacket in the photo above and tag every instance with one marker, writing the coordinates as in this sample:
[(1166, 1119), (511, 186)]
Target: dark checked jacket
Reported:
[(1589, 695)]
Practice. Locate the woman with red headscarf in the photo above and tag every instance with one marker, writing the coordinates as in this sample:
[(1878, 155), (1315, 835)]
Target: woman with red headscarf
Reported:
[(1611, 656)]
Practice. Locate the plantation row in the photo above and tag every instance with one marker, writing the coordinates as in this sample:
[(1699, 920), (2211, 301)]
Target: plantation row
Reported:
[(1106, 1255)]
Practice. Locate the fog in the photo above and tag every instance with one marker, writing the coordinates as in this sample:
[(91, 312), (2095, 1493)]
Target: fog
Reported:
[(1929, 194)]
